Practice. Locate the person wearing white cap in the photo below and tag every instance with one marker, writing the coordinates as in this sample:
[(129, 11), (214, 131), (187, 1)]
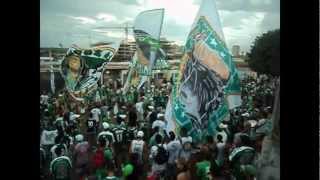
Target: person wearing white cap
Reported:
[(186, 150), (139, 147), (221, 143), (222, 133), (44, 99), (159, 122), (173, 147), (106, 134), (96, 112), (139, 107), (59, 123), (73, 122), (81, 156)]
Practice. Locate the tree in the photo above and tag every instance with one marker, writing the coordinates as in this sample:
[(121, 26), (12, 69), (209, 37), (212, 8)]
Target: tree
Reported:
[(264, 56)]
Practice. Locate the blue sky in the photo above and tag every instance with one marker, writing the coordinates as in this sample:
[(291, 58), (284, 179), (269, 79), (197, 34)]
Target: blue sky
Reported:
[(74, 21)]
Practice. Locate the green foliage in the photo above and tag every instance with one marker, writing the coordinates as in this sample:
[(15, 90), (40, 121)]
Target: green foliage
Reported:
[(264, 56)]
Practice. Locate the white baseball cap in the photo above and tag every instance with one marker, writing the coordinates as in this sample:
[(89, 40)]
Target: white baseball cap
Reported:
[(122, 116), (79, 137), (74, 116), (186, 140), (59, 119), (105, 125), (140, 134), (160, 115), (223, 126), (253, 123), (245, 114)]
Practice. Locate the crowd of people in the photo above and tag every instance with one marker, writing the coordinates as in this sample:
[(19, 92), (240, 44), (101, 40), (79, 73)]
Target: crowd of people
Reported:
[(123, 136)]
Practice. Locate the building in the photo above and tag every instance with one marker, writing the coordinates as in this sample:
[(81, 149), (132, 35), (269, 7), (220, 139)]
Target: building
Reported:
[(116, 69), (236, 50), (243, 68)]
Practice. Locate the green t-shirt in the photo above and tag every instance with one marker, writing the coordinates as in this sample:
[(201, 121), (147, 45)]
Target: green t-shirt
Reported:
[(61, 168), (203, 168)]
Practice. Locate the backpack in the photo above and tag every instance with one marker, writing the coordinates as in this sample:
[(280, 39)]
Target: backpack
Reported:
[(162, 155), (98, 158)]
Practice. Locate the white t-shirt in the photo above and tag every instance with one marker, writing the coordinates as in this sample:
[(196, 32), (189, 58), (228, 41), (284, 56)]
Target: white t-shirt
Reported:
[(220, 156), (137, 147), (173, 149), (157, 167), (104, 109), (44, 99), (106, 133), (158, 123), (115, 109), (96, 113), (154, 150), (139, 107), (224, 136), (47, 137)]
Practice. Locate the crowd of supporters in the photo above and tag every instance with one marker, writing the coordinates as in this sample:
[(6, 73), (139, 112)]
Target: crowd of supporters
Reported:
[(123, 136)]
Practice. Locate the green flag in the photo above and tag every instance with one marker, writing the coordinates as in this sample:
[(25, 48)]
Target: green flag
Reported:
[(208, 84), (147, 30), (82, 68)]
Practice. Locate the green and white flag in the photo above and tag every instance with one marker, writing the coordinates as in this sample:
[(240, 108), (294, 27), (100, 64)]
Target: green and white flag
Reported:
[(147, 30), (208, 84), (82, 68), (52, 84)]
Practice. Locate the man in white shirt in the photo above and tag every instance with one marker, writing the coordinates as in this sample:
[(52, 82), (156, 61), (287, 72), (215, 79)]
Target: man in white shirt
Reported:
[(156, 167), (138, 146), (96, 112), (44, 99), (139, 107), (106, 134), (173, 147), (220, 147), (159, 122)]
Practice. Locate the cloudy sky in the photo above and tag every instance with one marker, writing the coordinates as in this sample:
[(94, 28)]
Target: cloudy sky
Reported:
[(74, 21)]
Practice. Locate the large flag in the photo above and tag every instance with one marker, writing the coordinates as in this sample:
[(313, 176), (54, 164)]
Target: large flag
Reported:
[(208, 84), (147, 30), (82, 68)]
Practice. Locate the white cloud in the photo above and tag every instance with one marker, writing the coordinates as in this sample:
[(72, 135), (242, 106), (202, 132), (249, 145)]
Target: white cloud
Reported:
[(84, 20), (113, 34), (181, 11), (245, 33), (106, 17), (240, 21)]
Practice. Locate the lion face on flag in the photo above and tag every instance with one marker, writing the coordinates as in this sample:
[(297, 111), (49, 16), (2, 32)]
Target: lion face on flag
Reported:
[(202, 82)]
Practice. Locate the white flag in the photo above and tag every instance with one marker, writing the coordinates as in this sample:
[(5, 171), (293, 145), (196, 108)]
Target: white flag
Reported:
[(147, 30), (52, 84)]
